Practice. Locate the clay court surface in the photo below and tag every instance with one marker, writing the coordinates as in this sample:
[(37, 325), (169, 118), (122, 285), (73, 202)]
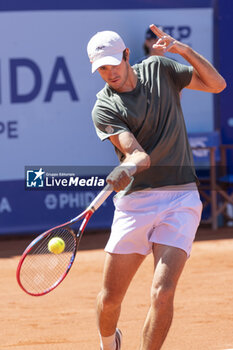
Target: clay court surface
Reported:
[(65, 318)]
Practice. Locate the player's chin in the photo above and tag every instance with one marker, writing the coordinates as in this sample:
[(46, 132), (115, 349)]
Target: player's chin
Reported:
[(116, 84)]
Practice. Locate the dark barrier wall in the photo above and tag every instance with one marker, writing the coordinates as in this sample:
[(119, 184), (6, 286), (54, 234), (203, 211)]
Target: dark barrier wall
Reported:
[(224, 10), (25, 5)]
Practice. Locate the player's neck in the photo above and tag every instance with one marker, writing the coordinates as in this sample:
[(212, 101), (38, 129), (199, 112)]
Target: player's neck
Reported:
[(131, 81)]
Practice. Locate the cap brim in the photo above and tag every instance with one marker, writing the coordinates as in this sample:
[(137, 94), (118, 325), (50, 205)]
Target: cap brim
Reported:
[(113, 60)]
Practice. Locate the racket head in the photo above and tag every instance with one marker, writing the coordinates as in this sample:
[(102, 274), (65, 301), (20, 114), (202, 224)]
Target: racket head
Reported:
[(39, 270)]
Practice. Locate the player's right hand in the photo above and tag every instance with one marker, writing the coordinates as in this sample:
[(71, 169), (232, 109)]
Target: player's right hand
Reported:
[(119, 178)]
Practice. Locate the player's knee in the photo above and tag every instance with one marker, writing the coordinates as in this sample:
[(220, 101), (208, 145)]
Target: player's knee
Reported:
[(108, 301), (162, 294)]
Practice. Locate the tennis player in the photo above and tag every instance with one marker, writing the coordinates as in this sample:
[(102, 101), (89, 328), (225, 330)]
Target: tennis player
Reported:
[(158, 210)]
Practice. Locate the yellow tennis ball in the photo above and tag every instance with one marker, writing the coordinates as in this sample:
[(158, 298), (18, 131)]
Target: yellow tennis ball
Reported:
[(56, 245)]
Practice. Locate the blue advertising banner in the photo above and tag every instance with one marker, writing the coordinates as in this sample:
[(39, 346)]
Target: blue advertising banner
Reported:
[(23, 211), (47, 93)]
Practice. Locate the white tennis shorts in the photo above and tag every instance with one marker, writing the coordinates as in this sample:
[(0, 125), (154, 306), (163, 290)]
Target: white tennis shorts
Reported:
[(164, 216)]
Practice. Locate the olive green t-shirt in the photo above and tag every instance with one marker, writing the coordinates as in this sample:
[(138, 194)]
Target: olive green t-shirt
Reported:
[(152, 112)]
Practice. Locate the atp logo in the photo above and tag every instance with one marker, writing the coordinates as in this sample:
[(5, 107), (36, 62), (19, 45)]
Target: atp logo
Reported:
[(35, 178)]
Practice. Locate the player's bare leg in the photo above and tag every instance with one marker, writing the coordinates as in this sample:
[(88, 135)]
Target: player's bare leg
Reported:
[(169, 263), (118, 273)]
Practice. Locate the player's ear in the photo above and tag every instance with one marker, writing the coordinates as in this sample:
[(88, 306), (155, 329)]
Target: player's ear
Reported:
[(126, 53)]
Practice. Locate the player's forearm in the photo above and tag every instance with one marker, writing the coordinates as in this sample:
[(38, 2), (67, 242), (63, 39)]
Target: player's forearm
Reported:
[(137, 161), (133, 152), (206, 72), (134, 163)]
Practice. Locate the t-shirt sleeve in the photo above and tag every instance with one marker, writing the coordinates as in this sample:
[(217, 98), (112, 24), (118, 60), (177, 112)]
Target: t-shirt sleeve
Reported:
[(181, 74), (107, 122)]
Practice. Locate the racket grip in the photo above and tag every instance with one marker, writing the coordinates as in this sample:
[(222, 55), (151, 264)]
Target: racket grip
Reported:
[(100, 198)]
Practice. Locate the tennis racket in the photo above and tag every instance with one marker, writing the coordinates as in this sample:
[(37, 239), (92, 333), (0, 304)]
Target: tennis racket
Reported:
[(39, 270)]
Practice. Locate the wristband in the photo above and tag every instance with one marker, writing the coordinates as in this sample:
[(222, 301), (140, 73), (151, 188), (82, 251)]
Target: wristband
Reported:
[(131, 168)]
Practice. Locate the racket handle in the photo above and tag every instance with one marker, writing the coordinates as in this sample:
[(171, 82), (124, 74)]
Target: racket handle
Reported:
[(100, 198)]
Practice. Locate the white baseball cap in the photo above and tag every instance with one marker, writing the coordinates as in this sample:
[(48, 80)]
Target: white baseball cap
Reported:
[(105, 48)]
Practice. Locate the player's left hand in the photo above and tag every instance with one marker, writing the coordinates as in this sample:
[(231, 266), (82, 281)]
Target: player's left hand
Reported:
[(167, 42)]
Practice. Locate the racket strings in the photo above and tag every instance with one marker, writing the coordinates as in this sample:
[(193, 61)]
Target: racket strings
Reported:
[(41, 269)]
